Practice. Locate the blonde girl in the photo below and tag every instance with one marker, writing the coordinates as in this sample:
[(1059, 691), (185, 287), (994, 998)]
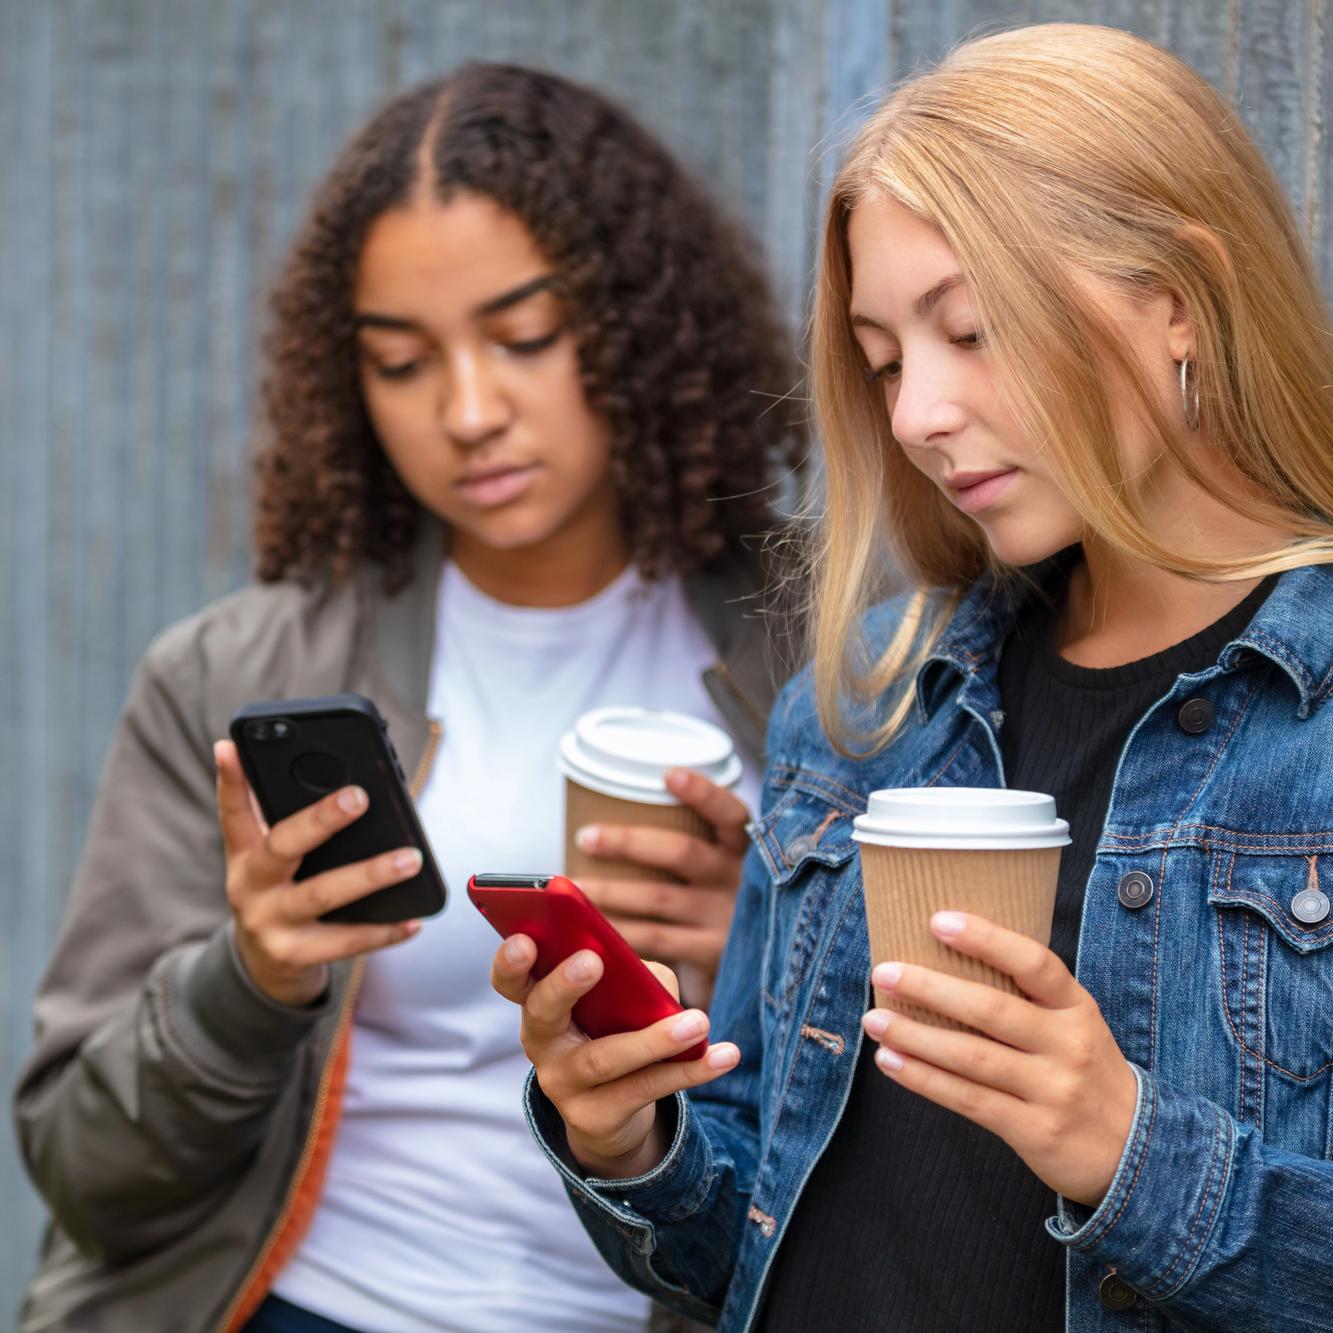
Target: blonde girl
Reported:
[(1073, 374)]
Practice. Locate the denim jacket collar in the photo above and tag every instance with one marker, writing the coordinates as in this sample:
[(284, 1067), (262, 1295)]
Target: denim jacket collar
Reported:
[(1293, 629), (968, 648)]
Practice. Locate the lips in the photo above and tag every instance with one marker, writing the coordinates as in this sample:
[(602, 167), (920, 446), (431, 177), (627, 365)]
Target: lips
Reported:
[(975, 491), (496, 485)]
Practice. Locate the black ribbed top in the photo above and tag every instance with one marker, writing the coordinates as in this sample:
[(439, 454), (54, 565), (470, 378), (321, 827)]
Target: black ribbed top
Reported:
[(915, 1219)]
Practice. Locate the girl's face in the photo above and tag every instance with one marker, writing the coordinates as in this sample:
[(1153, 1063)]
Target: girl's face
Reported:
[(913, 317), (471, 379)]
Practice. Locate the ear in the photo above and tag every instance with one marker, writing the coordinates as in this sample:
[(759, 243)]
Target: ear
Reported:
[(1208, 247), (1212, 254)]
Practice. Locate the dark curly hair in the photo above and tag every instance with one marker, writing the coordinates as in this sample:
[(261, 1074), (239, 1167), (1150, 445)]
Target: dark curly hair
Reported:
[(679, 345)]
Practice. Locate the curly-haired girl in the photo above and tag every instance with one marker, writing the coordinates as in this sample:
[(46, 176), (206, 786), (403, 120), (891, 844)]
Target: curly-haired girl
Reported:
[(520, 390), (1073, 365)]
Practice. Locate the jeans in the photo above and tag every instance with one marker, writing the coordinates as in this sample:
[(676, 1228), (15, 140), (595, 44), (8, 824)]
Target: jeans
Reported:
[(279, 1316)]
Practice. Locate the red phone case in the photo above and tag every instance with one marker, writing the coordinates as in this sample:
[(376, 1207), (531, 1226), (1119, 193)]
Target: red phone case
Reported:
[(561, 921)]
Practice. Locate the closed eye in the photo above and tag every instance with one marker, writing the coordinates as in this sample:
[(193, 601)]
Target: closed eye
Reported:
[(402, 370), (890, 370), (531, 346)]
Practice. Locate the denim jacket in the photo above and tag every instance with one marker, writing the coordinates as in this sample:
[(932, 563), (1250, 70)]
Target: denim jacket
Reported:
[(1218, 988)]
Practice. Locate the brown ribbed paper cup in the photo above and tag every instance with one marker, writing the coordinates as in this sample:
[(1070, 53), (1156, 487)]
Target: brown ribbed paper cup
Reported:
[(585, 806), (987, 851), (615, 762)]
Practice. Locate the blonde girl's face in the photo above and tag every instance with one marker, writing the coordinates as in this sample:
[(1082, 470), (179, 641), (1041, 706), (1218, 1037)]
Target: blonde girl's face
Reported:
[(913, 317)]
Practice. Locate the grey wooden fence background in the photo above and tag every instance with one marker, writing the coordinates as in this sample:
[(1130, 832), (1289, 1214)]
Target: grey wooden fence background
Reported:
[(154, 158)]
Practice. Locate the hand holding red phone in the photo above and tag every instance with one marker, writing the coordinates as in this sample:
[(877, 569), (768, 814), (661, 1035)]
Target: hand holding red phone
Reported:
[(684, 918), (606, 1089), (286, 949)]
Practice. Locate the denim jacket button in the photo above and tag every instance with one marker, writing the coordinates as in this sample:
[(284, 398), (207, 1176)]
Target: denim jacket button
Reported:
[(1309, 907), (1115, 1293), (799, 848), (1195, 716), (1135, 890)]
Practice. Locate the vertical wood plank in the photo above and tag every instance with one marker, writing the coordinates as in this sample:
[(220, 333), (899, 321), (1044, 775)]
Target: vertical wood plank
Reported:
[(26, 102), (795, 125), (859, 67), (1147, 18), (918, 34), (1202, 33), (1273, 86), (975, 18)]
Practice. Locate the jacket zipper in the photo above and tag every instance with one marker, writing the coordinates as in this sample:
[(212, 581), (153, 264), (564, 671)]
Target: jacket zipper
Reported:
[(755, 716), (435, 731), (326, 1075)]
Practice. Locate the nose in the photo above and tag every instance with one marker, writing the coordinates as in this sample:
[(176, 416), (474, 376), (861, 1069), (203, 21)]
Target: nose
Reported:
[(473, 406), (925, 409)]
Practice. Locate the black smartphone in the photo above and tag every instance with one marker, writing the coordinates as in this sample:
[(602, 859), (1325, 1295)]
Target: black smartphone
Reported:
[(294, 751)]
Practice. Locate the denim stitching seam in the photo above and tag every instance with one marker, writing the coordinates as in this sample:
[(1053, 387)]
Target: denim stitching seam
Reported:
[(1140, 1153), (1231, 840), (1213, 1193), (1240, 1039)]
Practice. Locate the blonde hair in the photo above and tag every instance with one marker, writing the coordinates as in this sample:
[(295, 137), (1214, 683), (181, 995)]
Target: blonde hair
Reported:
[(1043, 155)]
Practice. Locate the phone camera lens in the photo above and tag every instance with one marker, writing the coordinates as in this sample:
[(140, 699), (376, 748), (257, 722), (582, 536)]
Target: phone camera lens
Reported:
[(259, 731)]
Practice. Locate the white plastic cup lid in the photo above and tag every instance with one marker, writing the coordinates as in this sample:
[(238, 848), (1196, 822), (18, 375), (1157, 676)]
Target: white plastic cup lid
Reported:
[(627, 752), (966, 818)]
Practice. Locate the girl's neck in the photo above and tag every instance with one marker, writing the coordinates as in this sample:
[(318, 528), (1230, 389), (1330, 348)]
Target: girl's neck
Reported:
[(1118, 609), (556, 572)]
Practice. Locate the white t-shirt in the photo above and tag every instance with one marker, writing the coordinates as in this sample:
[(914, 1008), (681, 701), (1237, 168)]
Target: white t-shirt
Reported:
[(439, 1211)]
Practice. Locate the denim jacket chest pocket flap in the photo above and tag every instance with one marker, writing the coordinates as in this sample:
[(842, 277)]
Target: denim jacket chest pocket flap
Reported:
[(805, 843), (1274, 937)]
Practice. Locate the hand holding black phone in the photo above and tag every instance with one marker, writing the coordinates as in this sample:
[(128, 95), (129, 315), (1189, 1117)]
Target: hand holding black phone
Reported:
[(294, 751)]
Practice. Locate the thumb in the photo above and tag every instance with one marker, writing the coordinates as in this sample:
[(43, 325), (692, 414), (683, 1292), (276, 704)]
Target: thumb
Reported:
[(666, 976)]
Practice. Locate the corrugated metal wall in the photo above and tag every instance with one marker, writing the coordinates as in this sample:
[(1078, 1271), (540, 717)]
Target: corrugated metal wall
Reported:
[(154, 158)]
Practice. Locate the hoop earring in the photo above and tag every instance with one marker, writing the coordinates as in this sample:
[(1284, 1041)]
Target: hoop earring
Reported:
[(1189, 395)]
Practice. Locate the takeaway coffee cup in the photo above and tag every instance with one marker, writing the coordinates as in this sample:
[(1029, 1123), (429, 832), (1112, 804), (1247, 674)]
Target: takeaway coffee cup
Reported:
[(989, 851), (615, 762)]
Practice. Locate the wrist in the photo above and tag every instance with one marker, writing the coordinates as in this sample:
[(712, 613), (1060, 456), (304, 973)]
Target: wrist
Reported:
[(638, 1161), (297, 991)]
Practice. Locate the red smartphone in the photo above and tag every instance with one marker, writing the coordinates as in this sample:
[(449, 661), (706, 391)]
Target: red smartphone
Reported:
[(553, 912)]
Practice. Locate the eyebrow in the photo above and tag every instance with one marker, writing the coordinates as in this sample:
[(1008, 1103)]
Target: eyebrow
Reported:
[(921, 307), (370, 319)]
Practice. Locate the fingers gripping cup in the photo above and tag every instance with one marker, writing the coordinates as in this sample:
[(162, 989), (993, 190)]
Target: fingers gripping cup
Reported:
[(615, 762), (989, 851)]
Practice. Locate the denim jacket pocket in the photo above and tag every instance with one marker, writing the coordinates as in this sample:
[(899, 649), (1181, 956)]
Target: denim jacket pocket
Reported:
[(1274, 932), (805, 841)]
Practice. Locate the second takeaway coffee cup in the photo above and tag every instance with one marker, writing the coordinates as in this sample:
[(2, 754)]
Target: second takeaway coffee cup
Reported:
[(615, 762), (989, 851)]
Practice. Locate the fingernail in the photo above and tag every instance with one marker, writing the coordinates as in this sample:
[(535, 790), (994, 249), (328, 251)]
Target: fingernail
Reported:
[(352, 800), (579, 968), (411, 928), (689, 1025), (407, 860), (887, 975), (586, 838), (514, 951), (722, 1056), (676, 778), (888, 1060), (948, 923), (876, 1023), (217, 753)]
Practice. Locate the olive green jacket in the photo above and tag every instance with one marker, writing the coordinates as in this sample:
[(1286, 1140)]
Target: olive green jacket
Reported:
[(175, 1120)]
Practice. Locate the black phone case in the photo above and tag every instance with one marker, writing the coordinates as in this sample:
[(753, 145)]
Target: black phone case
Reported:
[(294, 751)]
